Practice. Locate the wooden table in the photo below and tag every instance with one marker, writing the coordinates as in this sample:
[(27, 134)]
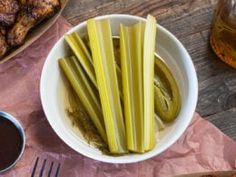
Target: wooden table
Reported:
[(190, 21)]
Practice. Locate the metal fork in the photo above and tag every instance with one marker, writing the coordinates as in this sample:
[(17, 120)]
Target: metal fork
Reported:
[(43, 168)]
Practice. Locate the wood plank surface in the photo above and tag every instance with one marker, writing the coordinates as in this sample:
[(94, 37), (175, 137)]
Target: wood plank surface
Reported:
[(190, 21)]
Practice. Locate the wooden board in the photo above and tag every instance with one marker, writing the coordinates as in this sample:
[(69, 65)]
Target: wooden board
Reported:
[(36, 33), (190, 21)]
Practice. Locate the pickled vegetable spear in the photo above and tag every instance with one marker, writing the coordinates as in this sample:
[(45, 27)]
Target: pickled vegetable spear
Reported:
[(89, 87), (76, 80), (148, 77), (100, 37), (167, 96), (131, 47), (82, 54)]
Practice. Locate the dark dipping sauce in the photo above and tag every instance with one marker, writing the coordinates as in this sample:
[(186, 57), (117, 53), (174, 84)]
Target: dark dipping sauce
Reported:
[(11, 143)]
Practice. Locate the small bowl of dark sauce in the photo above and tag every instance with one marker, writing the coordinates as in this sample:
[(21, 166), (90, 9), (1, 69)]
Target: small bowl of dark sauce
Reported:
[(12, 141)]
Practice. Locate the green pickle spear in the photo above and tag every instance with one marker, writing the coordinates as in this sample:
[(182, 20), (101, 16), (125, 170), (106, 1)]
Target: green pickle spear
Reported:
[(167, 96), (81, 87), (131, 45), (148, 87), (101, 44)]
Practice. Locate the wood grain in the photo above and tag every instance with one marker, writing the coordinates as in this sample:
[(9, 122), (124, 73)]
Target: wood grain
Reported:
[(190, 21)]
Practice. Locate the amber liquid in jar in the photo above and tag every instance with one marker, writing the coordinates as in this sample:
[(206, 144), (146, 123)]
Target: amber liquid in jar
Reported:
[(223, 34)]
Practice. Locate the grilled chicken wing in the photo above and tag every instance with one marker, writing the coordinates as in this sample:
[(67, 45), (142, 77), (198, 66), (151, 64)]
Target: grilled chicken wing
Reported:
[(17, 34), (41, 8), (34, 12), (8, 10), (3, 43)]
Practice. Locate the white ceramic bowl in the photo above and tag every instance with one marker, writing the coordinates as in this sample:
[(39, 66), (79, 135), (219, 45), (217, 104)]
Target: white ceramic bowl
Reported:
[(52, 91)]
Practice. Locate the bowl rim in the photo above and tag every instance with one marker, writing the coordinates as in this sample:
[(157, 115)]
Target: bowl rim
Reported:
[(192, 102), (20, 129)]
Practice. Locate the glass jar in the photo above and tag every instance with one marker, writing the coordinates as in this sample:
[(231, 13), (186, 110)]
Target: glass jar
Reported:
[(223, 34)]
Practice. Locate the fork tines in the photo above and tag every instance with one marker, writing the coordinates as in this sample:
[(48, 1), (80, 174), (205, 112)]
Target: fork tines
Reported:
[(42, 168)]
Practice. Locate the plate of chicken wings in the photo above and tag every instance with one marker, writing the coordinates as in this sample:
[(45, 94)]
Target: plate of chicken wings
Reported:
[(24, 21)]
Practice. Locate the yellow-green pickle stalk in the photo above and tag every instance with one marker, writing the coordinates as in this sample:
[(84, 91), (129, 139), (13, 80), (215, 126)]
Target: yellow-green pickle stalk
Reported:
[(131, 48), (76, 79), (99, 32), (148, 87)]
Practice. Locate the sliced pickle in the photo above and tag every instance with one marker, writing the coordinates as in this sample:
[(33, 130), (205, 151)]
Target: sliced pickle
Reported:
[(131, 45), (148, 86), (80, 86), (167, 96), (101, 44)]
